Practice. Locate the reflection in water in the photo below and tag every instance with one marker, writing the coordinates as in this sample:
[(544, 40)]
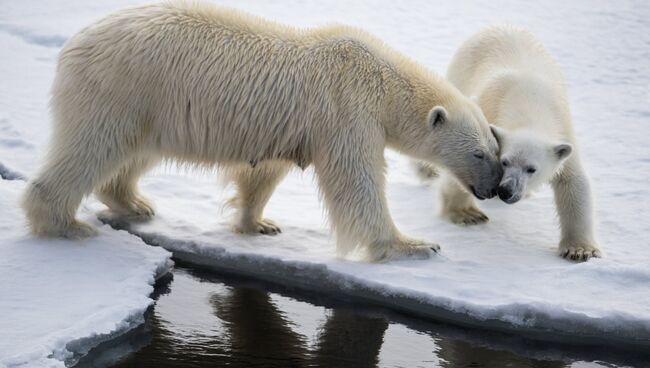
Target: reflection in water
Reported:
[(458, 353), (262, 336), (258, 332), (201, 321), (350, 339)]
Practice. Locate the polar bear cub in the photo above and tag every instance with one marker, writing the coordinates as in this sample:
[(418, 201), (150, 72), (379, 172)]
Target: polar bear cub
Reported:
[(215, 87), (521, 91)]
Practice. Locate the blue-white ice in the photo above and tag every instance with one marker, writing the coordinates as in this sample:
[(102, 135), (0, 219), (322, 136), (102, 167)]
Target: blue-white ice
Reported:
[(503, 274)]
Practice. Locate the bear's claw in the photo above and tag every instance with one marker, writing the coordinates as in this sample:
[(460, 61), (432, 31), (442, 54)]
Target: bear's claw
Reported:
[(263, 226), (580, 252), (467, 216), (415, 249)]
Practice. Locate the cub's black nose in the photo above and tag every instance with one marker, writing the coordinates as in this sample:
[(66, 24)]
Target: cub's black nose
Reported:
[(505, 193)]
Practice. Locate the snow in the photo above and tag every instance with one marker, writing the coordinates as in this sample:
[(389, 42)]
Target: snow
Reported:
[(497, 276), (60, 298), (502, 275)]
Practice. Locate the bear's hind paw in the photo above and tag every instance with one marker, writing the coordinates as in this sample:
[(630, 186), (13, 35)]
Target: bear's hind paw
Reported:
[(79, 230), (136, 209), (141, 210)]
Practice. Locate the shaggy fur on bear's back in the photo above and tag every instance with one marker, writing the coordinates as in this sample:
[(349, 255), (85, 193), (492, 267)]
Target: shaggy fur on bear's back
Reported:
[(210, 86), (207, 50)]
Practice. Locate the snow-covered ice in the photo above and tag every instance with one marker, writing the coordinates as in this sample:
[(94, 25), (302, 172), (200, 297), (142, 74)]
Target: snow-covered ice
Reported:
[(500, 275), (503, 275), (61, 298)]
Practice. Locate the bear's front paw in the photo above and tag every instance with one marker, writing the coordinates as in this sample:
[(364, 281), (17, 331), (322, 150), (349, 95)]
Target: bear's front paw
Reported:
[(400, 249), (263, 226), (579, 251), (419, 251), (466, 216), (409, 248)]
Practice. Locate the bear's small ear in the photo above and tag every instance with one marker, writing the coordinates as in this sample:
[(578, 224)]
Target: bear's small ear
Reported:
[(498, 133), (437, 116), (562, 151)]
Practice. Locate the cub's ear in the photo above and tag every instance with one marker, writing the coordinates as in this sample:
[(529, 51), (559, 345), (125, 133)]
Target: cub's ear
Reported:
[(562, 151), (437, 116), (498, 133)]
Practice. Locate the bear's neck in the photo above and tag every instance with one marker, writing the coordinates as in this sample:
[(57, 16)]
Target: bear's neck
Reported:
[(411, 93)]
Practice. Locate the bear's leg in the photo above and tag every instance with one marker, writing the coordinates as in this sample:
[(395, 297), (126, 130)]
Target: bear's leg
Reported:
[(351, 181), (458, 205), (76, 165), (575, 209), (255, 185), (121, 193)]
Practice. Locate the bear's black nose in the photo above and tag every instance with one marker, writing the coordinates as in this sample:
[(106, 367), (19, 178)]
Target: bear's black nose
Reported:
[(505, 193)]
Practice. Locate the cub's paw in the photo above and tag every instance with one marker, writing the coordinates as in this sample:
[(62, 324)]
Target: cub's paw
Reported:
[(466, 216), (579, 251), (78, 230), (263, 226)]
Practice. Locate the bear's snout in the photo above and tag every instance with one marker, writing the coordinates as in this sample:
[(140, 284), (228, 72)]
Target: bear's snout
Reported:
[(507, 192), (504, 193)]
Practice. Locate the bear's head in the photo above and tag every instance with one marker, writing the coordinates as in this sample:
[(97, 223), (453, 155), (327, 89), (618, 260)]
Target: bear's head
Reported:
[(528, 161), (460, 141)]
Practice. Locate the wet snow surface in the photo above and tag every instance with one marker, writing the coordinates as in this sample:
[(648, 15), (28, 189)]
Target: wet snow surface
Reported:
[(501, 275)]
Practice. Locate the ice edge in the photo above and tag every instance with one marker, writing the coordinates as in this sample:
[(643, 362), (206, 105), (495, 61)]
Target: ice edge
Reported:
[(532, 322)]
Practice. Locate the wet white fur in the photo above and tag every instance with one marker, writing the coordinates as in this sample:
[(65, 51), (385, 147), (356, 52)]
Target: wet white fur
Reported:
[(214, 87), (521, 90)]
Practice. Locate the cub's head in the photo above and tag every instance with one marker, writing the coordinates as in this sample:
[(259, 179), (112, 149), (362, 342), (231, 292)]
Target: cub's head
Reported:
[(463, 144), (528, 161)]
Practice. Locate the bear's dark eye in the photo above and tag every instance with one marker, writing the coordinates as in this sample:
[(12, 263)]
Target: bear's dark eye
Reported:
[(504, 162), (531, 170), (479, 155)]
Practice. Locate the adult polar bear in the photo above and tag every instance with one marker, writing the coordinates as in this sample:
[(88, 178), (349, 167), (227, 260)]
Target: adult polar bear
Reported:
[(211, 86), (521, 91)]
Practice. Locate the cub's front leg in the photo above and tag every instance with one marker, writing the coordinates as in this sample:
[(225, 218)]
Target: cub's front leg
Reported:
[(575, 209)]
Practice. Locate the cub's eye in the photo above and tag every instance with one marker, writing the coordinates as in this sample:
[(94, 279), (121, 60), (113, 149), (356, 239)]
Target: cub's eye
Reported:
[(479, 155), (531, 170), (504, 162)]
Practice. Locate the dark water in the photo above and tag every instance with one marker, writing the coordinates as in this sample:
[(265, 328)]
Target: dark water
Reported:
[(201, 319)]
